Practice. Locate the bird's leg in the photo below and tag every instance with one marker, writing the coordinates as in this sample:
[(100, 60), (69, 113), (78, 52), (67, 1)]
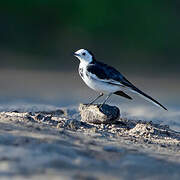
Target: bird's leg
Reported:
[(101, 94), (105, 99)]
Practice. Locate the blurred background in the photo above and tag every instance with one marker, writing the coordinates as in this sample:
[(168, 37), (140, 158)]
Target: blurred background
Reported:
[(37, 38), (137, 35)]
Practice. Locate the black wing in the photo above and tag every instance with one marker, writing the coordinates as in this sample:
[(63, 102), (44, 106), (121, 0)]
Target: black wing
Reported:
[(121, 93), (105, 72)]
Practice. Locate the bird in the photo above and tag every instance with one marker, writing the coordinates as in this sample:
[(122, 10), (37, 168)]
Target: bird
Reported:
[(105, 79)]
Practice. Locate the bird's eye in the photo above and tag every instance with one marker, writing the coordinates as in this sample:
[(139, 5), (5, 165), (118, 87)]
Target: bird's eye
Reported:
[(84, 54)]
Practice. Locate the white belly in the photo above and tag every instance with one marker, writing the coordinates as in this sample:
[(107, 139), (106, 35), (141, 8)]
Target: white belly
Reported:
[(101, 86), (98, 85)]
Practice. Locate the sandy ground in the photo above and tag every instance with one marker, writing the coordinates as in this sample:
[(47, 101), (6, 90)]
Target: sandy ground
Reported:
[(57, 145)]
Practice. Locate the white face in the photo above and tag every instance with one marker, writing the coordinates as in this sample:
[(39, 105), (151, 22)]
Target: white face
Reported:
[(83, 55)]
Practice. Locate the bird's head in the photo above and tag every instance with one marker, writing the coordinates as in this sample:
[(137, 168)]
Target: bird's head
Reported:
[(84, 55)]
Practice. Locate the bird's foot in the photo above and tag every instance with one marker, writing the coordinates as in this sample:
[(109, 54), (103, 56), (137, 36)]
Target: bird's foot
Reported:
[(100, 106), (89, 104)]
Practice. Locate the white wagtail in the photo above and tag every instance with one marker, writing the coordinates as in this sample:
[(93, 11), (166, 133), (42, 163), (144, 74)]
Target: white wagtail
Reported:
[(106, 79)]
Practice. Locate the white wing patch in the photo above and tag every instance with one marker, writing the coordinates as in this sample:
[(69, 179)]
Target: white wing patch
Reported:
[(111, 81)]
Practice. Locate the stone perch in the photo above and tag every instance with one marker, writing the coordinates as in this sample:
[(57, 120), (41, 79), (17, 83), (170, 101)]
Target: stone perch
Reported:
[(104, 115)]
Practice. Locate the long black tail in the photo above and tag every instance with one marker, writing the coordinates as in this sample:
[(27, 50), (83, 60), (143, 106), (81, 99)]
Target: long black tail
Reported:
[(147, 97)]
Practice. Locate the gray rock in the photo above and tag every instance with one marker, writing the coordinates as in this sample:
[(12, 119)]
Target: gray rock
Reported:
[(104, 115)]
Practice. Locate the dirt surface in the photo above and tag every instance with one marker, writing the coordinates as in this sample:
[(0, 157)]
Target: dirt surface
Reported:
[(58, 145)]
